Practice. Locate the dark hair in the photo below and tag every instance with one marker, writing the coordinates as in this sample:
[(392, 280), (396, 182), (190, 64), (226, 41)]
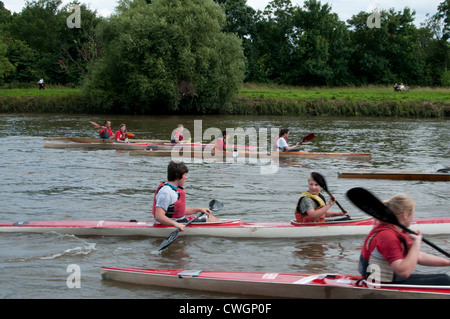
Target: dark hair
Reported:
[(176, 170), (283, 131)]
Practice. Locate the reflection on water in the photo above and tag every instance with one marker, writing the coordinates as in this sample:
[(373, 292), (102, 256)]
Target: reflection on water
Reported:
[(52, 184)]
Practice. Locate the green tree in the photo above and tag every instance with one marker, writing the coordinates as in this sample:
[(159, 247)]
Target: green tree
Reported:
[(165, 56), (390, 53), (77, 47), (322, 47)]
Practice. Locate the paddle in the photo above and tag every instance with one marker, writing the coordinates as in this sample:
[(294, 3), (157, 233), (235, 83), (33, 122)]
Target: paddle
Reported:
[(214, 205), (368, 203), (307, 138), (95, 124), (322, 183)]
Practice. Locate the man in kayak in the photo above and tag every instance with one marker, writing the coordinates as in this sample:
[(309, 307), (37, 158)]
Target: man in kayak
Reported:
[(169, 202), (281, 143), (105, 131), (394, 254), (312, 206)]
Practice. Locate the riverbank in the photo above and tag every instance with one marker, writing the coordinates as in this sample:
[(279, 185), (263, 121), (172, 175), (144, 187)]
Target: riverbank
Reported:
[(263, 100)]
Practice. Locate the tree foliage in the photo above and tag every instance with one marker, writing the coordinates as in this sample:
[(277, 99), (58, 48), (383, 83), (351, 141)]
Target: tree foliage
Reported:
[(192, 55), (168, 55)]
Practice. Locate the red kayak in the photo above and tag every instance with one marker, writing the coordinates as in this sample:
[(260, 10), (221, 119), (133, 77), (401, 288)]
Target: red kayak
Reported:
[(278, 285)]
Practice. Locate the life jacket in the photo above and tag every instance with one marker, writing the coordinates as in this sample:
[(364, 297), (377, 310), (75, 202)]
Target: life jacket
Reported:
[(366, 258), (175, 136), (303, 217), (177, 209), (122, 135), (105, 133), (220, 144)]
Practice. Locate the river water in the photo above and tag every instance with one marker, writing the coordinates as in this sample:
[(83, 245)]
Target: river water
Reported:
[(51, 184)]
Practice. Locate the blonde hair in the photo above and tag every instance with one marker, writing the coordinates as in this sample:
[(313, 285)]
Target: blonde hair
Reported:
[(401, 203)]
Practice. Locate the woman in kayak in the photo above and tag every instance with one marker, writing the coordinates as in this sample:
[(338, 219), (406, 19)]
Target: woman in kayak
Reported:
[(121, 134), (393, 254), (281, 143), (169, 202), (312, 206)]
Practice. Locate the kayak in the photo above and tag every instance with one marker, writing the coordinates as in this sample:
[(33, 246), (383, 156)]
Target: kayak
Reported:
[(233, 228), (275, 285), (118, 146), (99, 140), (411, 176), (211, 153)]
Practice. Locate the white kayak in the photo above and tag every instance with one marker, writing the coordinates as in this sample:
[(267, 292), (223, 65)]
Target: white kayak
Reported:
[(226, 228)]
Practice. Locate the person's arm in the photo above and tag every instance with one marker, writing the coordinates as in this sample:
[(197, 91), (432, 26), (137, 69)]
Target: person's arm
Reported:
[(292, 147), (160, 216), (195, 210), (405, 267)]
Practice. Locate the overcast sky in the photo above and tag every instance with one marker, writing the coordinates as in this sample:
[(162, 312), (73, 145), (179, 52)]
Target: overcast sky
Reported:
[(344, 8)]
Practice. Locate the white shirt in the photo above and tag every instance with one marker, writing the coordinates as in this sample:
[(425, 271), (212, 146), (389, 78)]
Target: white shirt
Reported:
[(281, 143)]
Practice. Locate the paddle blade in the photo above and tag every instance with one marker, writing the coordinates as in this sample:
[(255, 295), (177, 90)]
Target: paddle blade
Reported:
[(215, 205), (308, 138), (129, 135), (319, 180), (371, 205), (170, 239), (95, 124), (374, 207)]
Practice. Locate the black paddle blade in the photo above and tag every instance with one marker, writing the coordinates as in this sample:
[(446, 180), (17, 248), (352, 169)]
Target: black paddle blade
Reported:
[(215, 205), (368, 203), (319, 180), (170, 239)]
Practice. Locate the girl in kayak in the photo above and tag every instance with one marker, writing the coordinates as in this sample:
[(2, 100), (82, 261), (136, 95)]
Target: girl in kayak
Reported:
[(393, 254), (312, 206), (121, 134), (169, 202)]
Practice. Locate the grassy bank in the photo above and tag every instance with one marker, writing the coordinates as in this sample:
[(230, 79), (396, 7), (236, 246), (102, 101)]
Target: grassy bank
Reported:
[(345, 101), (263, 100)]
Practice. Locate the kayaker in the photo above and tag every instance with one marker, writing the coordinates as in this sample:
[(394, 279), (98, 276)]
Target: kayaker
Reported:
[(121, 134), (312, 206), (221, 142), (177, 134), (169, 202), (281, 142), (394, 253), (105, 131)]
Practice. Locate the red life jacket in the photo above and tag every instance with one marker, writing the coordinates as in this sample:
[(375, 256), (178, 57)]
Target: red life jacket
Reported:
[(105, 133), (177, 209)]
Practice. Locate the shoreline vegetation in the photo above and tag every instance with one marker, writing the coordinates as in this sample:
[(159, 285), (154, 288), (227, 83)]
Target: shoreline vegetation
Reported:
[(261, 99)]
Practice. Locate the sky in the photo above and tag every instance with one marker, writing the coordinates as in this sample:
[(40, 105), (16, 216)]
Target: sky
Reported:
[(344, 8)]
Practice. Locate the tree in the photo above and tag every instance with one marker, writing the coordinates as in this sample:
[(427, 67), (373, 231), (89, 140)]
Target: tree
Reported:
[(387, 54), (322, 47), (165, 56)]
